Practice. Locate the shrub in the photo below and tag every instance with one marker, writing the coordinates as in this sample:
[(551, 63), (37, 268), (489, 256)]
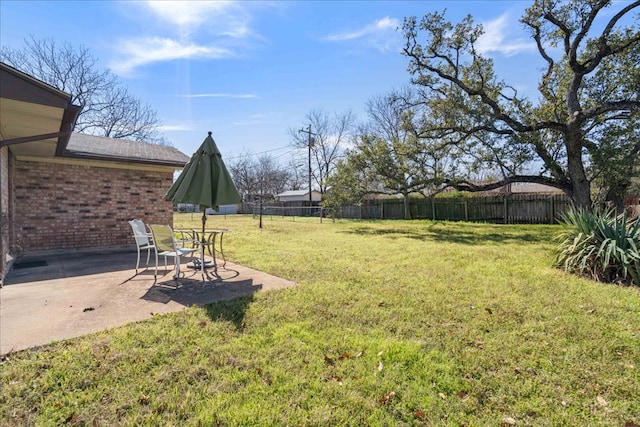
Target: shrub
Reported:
[(601, 245)]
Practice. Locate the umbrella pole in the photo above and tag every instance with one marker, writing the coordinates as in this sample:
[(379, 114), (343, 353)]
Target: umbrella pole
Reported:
[(204, 221)]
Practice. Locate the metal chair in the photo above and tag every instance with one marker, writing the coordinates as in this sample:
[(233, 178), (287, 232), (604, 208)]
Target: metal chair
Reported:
[(141, 236), (167, 246)]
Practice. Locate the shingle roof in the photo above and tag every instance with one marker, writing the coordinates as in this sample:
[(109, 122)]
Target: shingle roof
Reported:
[(101, 148)]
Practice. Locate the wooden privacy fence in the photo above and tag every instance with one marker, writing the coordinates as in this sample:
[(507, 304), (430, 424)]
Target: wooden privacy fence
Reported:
[(506, 209)]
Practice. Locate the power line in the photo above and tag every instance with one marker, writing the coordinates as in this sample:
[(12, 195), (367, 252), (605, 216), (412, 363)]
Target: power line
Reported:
[(285, 153), (257, 154)]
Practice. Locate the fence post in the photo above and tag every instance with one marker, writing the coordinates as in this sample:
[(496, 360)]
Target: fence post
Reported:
[(553, 209), (466, 212), (433, 208), (506, 210)]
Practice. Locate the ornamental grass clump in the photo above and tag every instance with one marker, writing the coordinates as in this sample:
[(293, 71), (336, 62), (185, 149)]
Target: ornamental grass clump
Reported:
[(601, 245)]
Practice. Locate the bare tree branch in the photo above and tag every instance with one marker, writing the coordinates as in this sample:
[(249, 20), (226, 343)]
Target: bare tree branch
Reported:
[(108, 109)]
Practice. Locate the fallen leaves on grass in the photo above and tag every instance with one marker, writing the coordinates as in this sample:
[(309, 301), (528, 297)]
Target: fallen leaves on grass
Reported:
[(331, 361), (343, 356), (419, 414), (336, 378), (385, 399), (601, 401), (71, 419)]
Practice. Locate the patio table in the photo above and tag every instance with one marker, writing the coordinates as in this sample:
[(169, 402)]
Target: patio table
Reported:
[(206, 241)]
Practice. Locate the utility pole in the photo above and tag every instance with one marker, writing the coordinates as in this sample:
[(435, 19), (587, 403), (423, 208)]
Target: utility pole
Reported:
[(310, 144), (261, 193)]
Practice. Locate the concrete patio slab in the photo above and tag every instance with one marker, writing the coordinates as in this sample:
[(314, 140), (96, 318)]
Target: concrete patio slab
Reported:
[(81, 293)]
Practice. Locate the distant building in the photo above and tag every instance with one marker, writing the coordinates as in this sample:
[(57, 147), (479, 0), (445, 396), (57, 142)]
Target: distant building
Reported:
[(223, 210), (521, 188), (299, 196)]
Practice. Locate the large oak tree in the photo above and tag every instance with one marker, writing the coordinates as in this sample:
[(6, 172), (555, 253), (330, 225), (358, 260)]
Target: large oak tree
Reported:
[(589, 90)]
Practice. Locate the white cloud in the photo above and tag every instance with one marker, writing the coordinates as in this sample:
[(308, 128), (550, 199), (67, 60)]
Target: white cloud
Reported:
[(496, 38), (144, 51), (219, 18), (175, 128), (190, 14), (221, 95), (183, 30), (380, 34), (381, 25)]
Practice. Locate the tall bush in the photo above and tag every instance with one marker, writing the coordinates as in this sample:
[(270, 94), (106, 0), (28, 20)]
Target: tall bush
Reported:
[(601, 245)]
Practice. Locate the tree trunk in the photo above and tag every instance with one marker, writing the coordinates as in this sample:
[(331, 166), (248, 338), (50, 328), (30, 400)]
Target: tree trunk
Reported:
[(407, 210), (580, 193)]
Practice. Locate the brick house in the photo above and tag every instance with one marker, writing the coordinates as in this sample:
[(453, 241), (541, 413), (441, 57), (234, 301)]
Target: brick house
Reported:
[(66, 191)]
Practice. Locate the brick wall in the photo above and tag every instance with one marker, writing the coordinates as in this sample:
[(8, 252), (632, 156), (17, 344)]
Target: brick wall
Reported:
[(4, 205), (63, 206)]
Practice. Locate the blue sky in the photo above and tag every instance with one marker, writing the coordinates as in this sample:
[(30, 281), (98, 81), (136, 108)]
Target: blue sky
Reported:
[(248, 71)]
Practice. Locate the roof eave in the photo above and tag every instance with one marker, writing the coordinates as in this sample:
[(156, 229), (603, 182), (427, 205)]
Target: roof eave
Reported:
[(22, 87), (155, 162), (69, 118)]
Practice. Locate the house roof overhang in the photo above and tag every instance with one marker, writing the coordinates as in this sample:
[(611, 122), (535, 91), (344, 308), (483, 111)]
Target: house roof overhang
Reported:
[(36, 119)]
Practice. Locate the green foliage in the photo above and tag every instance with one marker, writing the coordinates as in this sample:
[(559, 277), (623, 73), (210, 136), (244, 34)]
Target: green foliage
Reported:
[(388, 158), (601, 245), (617, 162), (349, 185)]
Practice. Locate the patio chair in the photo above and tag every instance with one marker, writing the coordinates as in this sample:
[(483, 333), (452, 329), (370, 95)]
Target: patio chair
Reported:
[(185, 238), (167, 246), (141, 236)]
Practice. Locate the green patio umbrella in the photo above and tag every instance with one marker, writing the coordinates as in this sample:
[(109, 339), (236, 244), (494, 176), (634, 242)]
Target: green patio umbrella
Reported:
[(205, 182)]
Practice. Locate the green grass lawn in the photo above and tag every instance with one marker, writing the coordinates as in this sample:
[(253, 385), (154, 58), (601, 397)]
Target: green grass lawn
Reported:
[(394, 323)]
